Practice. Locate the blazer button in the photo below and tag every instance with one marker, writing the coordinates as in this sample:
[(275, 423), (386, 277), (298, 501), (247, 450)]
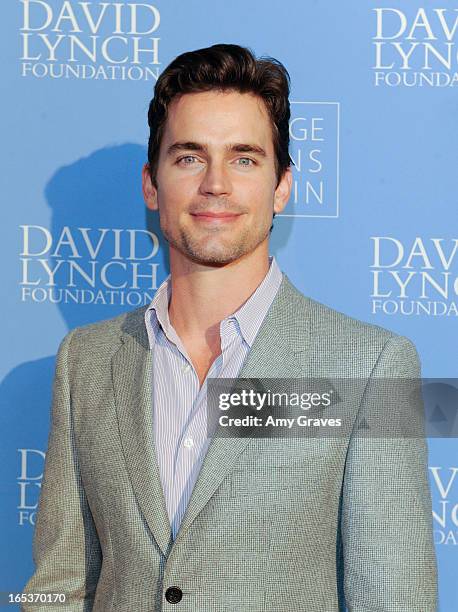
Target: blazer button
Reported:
[(173, 595)]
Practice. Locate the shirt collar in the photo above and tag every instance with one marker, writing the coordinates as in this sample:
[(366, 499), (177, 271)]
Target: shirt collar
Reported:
[(249, 316), (251, 313)]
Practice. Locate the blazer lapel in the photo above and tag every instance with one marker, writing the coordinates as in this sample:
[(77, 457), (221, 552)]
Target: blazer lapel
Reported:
[(132, 367), (279, 351)]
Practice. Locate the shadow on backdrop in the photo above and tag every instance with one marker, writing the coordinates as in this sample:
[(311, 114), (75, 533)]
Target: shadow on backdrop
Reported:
[(103, 192)]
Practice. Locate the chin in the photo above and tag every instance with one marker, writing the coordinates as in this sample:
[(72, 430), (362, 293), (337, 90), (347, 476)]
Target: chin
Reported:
[(211, 259)]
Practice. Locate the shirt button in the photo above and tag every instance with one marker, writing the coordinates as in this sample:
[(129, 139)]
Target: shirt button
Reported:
[(173, 595), (189, 442), (186, 368)]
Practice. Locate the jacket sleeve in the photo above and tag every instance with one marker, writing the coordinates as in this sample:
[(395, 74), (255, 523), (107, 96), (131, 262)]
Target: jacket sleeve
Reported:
[(66, 548), (386, 525)]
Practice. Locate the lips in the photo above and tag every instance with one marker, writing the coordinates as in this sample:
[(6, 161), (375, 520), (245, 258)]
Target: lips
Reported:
[(215, 215)]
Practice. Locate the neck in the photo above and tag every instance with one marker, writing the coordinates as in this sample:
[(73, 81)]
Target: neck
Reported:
[(202, 296)]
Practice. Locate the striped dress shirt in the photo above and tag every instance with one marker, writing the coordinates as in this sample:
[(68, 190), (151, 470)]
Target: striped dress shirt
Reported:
[(179, 403)]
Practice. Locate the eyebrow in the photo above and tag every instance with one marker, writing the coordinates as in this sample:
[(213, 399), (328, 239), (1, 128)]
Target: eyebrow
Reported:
[(234, 148)]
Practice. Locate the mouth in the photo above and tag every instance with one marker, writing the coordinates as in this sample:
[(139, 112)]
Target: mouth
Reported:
[(215, 217)]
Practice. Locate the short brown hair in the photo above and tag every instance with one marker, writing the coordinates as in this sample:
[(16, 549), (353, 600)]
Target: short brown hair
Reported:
[(224, 67)]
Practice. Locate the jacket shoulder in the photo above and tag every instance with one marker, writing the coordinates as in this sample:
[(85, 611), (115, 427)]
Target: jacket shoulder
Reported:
[(108, 333), (326, 320), (324, 317)]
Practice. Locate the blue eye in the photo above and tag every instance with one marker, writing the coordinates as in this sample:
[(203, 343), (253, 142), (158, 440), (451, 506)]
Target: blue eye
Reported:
[(246, 159), (186, 159)]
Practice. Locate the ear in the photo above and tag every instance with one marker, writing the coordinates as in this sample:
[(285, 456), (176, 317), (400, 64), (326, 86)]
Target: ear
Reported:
[(283, 191), (149, 190)]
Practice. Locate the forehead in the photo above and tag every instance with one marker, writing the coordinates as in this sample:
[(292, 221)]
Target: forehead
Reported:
[(219, 117)]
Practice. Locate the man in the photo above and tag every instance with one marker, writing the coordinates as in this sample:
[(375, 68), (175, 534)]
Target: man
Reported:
[(140, 510)]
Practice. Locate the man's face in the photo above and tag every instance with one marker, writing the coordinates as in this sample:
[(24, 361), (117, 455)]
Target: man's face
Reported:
[(216, 181)]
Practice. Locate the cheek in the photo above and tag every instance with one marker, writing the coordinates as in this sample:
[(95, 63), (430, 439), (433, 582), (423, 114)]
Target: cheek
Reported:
[(173, 197), (173, 182), (259, 198), (258, 190)]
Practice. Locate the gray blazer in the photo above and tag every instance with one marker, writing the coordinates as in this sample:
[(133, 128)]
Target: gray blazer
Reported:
[(297, 524)]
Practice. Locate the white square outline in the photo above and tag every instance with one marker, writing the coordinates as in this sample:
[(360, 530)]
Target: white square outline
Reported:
[(336, 216)]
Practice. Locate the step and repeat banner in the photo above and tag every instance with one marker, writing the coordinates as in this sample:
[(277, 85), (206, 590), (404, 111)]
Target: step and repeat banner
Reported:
[(371, 228)]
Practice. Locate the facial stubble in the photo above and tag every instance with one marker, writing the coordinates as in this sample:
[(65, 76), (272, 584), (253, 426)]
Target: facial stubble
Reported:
[(208, 249)]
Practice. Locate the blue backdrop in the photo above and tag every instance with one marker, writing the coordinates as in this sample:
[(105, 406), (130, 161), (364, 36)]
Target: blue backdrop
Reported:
[(370, 229)]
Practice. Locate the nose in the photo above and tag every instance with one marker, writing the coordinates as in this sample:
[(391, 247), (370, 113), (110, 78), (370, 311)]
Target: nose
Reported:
[(216, 180)]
